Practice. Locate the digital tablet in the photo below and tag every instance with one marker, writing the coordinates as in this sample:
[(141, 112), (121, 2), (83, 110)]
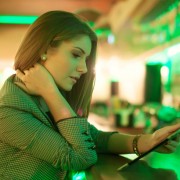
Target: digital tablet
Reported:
[(171, 137)]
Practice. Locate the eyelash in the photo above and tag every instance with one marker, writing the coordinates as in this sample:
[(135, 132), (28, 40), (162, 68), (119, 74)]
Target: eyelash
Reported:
[(76, 55)]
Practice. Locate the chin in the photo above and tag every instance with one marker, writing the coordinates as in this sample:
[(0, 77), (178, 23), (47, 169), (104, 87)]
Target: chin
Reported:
[(65, 87), (69, 88)]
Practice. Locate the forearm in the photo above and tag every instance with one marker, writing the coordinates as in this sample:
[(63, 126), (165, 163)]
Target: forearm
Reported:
[(123, 143), (100, 139), (57, 104), (120, 143)]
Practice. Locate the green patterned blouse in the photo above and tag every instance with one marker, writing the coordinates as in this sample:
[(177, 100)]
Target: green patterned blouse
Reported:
[(32, 147)]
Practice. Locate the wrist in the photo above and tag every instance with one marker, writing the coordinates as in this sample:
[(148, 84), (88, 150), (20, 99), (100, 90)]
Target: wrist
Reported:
[(58, 105), (50, 93), (144, 143), (135, 145)]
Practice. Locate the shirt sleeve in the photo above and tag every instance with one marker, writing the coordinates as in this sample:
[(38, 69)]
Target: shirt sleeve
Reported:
[(100, 139), (70, 148)]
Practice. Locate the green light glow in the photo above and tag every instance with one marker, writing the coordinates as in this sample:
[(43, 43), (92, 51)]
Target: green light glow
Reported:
[(79, 176), (91, 24), (103, 31), (173, 50), (13, 19), (157, 58), (171, 162), (10, 19), (163, 57), (114, 79)]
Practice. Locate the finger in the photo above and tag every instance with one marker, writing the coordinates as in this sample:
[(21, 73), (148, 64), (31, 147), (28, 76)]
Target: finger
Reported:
[(173, 143), (36, 65), (168, 130), (165, 149), (173, 128), (19, 74), (31, 69), (178, 138), (26, 72), (169, 148)]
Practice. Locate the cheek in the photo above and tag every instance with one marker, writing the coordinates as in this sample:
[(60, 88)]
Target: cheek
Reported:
[(62, 70), (64, 67), (60, 66), (67, 66)]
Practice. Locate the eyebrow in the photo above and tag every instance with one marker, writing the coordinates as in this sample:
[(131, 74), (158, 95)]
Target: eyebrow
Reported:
[(81, 50)]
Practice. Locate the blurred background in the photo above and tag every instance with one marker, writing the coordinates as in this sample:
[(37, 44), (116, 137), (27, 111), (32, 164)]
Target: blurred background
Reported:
[(137, 86), (138, 60)]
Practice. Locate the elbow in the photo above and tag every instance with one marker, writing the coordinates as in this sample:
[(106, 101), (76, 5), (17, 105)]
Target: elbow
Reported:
[(84, 162), (78, 161)]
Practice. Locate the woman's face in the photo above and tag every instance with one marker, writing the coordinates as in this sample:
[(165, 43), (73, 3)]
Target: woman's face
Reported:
[(67, 62)]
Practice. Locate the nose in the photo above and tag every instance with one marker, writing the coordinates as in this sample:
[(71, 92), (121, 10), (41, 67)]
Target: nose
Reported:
[(82, 67)]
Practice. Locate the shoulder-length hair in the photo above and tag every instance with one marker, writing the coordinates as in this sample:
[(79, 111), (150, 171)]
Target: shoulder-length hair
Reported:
[(49, 30)]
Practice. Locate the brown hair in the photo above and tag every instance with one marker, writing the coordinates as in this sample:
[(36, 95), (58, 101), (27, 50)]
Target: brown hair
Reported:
[(50, 29)]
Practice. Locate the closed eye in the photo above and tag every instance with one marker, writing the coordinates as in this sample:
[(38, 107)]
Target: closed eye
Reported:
[(76, 55)]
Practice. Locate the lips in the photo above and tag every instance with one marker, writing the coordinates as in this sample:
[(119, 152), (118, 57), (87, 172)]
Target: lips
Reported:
[(75, 79)]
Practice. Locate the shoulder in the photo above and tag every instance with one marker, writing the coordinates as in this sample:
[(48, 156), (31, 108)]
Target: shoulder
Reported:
[(13, 96), (9, 87)]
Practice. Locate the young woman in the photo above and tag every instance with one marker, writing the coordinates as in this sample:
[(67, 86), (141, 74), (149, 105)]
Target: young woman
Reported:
[(44, 133)]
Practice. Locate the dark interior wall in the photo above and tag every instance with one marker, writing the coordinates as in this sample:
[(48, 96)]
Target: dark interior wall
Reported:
[(153, 92)]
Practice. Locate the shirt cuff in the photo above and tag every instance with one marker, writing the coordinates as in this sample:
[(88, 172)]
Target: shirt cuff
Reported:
[(102, 141)]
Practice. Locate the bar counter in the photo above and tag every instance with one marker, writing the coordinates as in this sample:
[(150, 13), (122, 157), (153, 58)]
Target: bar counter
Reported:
[(153, 167)]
